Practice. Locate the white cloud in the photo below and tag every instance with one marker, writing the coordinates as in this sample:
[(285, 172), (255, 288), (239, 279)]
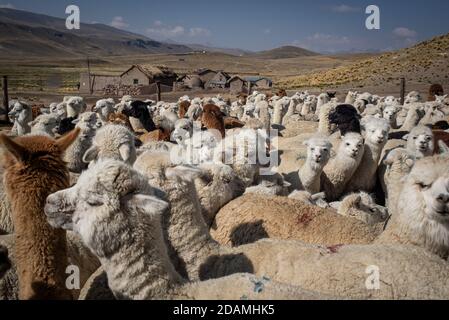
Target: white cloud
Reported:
[(119, 23), (404, 32), (166, 32), (324, 42), (161, 31), (199, 32), (7, 6), (343, 8)]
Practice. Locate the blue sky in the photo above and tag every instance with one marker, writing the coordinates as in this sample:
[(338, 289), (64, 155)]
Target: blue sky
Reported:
[(320, 25)]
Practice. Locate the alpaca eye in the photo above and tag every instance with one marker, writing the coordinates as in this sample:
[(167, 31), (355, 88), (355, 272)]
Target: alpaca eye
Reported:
[(348, 144), (414, 138), (424, 186), (372, 210), (94, 202)]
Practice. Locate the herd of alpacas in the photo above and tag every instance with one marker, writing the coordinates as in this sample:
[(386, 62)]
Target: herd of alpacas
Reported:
[(173, 201)]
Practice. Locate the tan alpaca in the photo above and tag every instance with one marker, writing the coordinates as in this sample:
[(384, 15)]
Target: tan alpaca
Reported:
[(34, 169)]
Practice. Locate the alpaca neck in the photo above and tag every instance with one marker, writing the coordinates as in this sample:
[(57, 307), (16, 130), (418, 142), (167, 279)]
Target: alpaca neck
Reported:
[(41, 251), (23, 128), (310, 175), (141, 269), (410, 121), (187, 231)]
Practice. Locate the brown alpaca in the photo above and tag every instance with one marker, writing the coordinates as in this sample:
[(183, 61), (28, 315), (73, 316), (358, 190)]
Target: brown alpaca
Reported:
[(183, 108), (33, 170), (435, 90), (119, 118), (231, 123), (439, 135), (281, 93), (36, 110), (156, 135), (212, 118)]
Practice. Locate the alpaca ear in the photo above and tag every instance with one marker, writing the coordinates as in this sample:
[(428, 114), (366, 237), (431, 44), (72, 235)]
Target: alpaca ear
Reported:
[(90, 155), (75, 121), (125, 152), (357, 201), (19, 152), (405, 137), (443, 147), (65, 141), (147, 204)]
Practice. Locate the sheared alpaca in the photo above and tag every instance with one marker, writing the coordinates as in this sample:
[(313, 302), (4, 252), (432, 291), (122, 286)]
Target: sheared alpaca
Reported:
[(34, 169)]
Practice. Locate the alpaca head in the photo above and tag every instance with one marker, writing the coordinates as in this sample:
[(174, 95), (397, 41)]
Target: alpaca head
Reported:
[(390, 113), (400, 162), (420, 142), (352, 146), (373, 111), (318, 151), (352, 95), (390, 100), (88, 120), (20, 112), (428, 183), (323, 98), (413, 97), (360, 105), (375, 131), (105, 207), (44, 123), (104, 107), (363, 207), (75, 106), (440, 99), (346, 118), (183, 130), (40, 153), (112, 142)]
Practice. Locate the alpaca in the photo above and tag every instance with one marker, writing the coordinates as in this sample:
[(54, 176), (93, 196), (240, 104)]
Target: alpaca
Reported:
[(435, 90), (376, 136), (318, 155), (44, 125), (424, 221), (361, 206), (113, 210), (351, 97), (321, 101), (112, 142), (280, 109), (396, 165), (346, 118), (121, 119), (414, 115), (21, 115), (305, 197), (104, 108), (324, 126), (212, 119), (139, 116), (420, 142), (33, 169), (390, 113), (339, 171), (75, 106), (183, 109)]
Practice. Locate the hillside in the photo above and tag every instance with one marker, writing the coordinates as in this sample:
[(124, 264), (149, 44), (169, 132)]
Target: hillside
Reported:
[(425, 63), (29, 34), (284, 53)]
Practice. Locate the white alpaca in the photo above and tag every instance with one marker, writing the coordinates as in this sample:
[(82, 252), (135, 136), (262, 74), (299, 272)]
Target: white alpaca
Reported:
[(376, 136), (280, 109), (420, 142), (44, 124), (75, 106), (104, 108), (425, 220), (322, 99), (21, 115), (318, 155), (340, 169), (112, 142), (390, 113), (361, 206), (414, 115), (351, 97)]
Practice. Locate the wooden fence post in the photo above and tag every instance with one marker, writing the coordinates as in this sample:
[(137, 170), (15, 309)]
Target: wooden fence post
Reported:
[(5, 96), (158, 91), (402, 91)]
